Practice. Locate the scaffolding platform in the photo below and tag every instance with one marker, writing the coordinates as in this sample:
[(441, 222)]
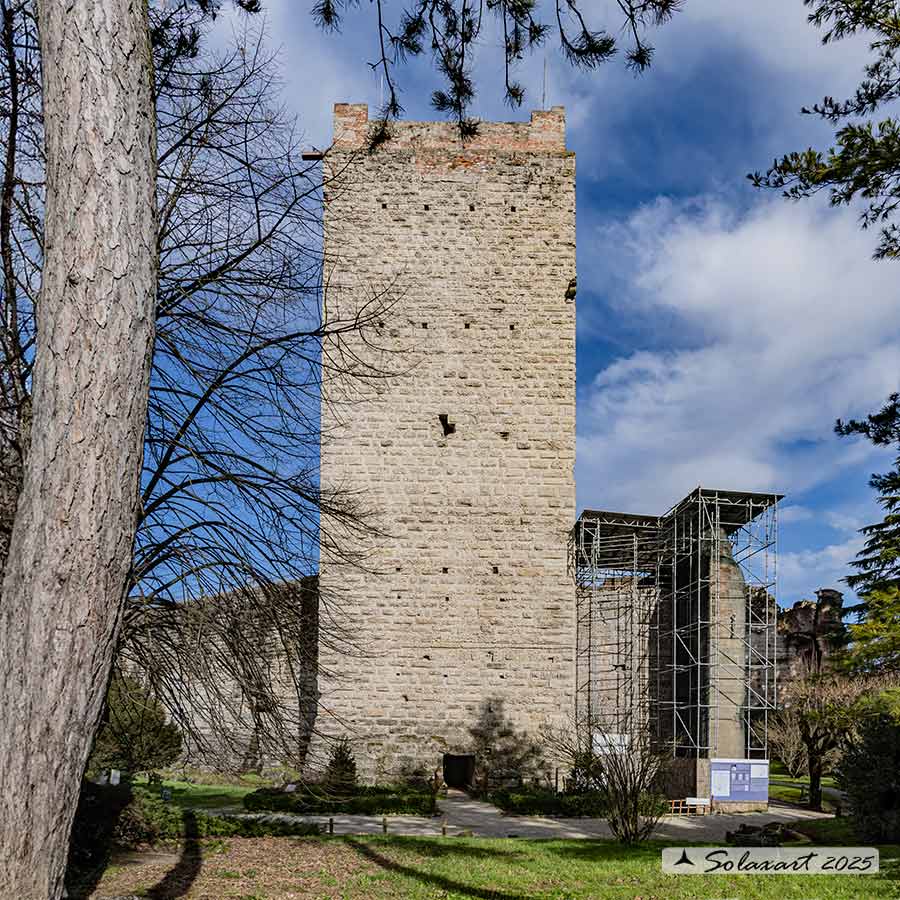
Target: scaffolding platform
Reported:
[(676, 623)]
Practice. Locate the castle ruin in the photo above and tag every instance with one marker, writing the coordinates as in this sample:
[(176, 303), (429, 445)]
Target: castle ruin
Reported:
[(481, 597)]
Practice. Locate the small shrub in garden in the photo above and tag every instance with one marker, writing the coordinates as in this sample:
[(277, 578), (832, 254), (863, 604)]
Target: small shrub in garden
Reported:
[(375, 800), (546, 802), (147, 820), (340, 773)]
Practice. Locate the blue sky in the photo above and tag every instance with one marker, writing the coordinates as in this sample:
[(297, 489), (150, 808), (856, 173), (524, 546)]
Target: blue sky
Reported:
[(721, 330)]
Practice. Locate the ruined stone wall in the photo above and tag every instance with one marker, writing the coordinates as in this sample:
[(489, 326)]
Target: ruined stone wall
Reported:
[(237, 672), (808, 635), (467, 606)]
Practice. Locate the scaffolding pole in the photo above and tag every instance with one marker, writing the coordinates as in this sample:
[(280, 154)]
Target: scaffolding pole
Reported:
[(676, 624)]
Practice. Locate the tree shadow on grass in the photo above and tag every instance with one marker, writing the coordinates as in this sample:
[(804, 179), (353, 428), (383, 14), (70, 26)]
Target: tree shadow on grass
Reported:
[(606, 851), (178, 881), (99, 809), (454, 846), (369, 852)]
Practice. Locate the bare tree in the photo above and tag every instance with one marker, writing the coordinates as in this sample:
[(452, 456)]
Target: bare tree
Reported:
[(628, 775), (786, 742), (21, 208), (221, 602), (70, 544), (73, 448), (219, 594), (823, 706)]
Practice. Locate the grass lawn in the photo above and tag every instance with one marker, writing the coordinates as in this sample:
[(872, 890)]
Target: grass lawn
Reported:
[(502, 869), (188, 795), (788, 789)]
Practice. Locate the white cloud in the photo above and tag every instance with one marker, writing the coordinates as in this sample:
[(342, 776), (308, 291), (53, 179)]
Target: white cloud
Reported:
[(801, 573), (321, 69), (793, 512), (318, 69), (778, 322), (777, 34)]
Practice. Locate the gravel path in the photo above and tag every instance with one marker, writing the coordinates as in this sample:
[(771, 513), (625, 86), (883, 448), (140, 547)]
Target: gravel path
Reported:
[(463, 815)]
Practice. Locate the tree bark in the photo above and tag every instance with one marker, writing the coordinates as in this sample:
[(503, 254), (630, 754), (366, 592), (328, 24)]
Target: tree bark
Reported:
[(11, 399), (815, 780), (72, 537)]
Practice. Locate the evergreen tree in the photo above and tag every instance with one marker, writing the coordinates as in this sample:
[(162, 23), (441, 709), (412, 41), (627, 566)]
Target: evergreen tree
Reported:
[(865, 163), (340, 773), (869, 771), (134, 735), (875, 639)]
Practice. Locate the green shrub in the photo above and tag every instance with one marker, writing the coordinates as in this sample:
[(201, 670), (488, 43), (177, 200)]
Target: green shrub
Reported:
[(134, 735), (340, 773), (545, 802), (148, 820), (869, 772), (370, 801), (239, 826), (125, 816)]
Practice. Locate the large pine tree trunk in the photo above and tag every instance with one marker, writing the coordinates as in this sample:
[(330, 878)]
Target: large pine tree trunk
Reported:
[(74, 527)]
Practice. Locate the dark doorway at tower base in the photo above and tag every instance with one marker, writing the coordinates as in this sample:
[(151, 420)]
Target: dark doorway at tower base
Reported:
[(459, 770)]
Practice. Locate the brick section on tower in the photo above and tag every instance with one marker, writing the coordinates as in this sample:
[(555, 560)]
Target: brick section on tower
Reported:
[(467, 605)]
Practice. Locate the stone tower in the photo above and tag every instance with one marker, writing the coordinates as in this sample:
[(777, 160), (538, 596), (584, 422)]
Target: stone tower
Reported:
[(466, 613)]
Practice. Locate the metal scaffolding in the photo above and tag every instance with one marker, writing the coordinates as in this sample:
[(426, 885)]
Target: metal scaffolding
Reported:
[(614, 558), (676, 624)]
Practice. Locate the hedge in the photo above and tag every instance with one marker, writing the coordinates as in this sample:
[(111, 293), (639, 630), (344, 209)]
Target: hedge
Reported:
[(543, 802), (127, 816), (369, 801)]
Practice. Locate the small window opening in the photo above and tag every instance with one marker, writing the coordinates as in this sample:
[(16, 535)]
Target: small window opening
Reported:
[(427, 207), (512, 209), (384, 205), (424, 324), (467, 325), (504, 435), (496, 569), (471, 207), (445, 570), (448, 426), (512, 327)]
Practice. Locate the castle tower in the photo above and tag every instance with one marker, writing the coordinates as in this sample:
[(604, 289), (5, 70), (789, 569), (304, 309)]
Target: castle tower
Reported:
[(466, 613)]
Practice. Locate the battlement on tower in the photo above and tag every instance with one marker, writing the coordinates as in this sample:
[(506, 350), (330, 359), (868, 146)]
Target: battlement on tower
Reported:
[(545, 132)]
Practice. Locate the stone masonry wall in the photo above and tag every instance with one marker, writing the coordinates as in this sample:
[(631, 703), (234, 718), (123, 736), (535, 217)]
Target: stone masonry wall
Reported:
[(467, 608)]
